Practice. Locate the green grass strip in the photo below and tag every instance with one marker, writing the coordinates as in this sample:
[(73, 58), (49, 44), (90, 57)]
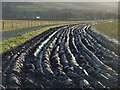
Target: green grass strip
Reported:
[(109, 28)]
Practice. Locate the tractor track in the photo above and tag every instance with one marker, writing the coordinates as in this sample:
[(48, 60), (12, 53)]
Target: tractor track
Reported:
[(72, 56)]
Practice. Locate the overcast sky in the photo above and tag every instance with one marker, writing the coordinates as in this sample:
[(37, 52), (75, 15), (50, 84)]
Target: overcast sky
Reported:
[(59, 0)]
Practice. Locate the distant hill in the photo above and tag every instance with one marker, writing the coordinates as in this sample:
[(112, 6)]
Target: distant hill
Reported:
[(54, 10)]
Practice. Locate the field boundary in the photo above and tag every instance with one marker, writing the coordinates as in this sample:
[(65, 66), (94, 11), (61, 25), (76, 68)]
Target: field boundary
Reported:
[(9, 25)]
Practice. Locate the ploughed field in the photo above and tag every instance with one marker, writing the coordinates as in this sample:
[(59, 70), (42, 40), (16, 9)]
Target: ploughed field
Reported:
[(71, 56)]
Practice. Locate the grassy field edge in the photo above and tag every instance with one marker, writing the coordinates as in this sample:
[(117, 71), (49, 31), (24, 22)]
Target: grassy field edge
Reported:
[(108, 28)]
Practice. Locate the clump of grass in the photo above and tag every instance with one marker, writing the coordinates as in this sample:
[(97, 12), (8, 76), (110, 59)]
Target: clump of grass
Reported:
[(109, 28)]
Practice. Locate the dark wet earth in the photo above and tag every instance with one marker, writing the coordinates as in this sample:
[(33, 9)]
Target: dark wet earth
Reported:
[(66, 57)]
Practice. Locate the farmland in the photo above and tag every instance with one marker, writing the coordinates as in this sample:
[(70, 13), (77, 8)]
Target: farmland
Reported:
[(70, 56), (106, 27), (59, 45)]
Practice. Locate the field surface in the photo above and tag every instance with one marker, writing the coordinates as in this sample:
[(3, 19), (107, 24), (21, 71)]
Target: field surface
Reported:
[(70, 56)]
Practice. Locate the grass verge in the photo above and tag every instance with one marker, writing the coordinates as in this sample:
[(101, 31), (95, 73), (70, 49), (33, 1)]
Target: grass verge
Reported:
[(12, 43), (109, 28)]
